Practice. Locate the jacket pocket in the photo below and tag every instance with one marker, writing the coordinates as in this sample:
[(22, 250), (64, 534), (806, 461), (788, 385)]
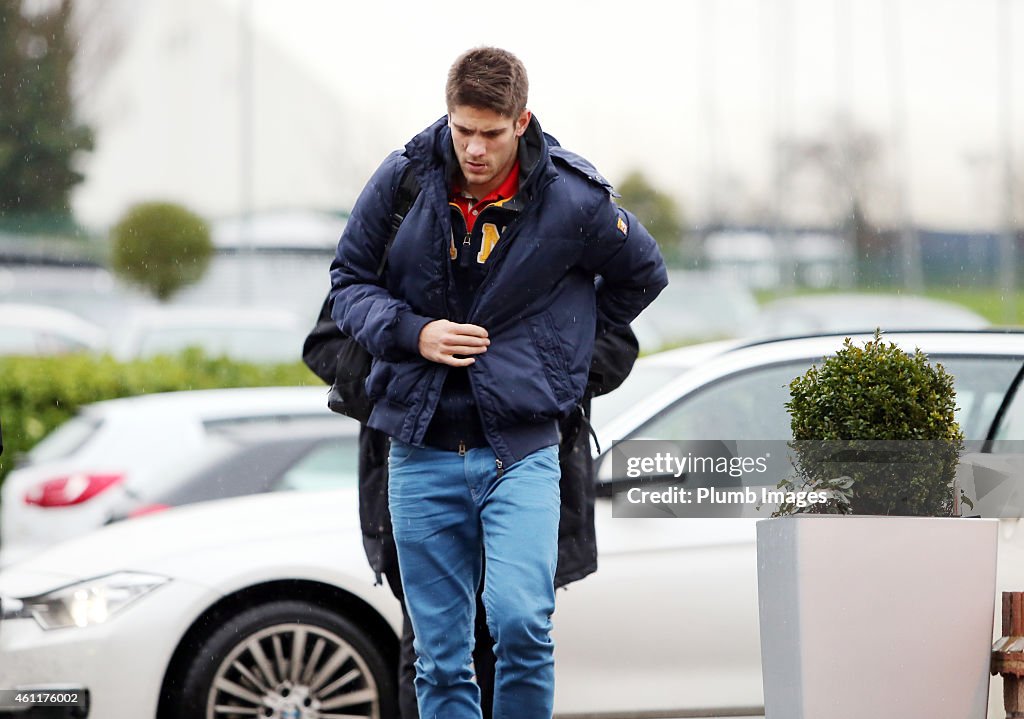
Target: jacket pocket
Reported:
[(378, 379), (392, 382), (552, 357)]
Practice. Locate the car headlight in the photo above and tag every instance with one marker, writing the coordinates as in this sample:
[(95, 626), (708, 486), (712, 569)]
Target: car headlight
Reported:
[(90, 602)]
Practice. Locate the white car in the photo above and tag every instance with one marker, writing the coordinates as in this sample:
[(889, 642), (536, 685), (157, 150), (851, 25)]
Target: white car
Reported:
[(649, 375), (264, 605), (69, 483), (245, 334), (34, 330)]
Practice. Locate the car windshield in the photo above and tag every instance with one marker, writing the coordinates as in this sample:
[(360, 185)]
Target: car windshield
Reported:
[(750, 405), (217, 449), (66, 439), (642, 383), (331, 464), (267, 455)]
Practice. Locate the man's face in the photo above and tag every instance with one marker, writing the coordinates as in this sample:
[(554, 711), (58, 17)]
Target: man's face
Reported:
[(486, 144)]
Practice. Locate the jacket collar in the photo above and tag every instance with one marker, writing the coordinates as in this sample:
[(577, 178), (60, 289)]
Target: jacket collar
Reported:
[(431, 151)]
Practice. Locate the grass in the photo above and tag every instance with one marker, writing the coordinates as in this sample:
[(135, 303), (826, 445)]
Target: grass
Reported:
[(989, 302)]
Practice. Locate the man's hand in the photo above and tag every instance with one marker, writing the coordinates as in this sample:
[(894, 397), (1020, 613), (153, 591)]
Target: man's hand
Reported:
[(441, 340)]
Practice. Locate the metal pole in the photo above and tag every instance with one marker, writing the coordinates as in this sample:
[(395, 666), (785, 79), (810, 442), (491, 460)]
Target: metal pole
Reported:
[(913, 274), (847, 229), (707, 46), (783, 87), (1007, 239), (245, 139)]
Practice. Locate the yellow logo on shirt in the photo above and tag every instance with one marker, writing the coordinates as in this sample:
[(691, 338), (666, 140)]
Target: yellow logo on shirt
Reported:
[(621, 225), (490, 239)]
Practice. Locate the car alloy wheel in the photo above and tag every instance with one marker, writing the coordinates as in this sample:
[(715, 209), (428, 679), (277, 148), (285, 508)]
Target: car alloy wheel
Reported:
[(288, 660)]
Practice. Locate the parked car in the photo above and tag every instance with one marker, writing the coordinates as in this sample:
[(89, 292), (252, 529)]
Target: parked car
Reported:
[(741, 392), (274, 456), (695, 307), (252, 458), (113, 460), (266, 601), (839, 312), (36, 330), (650, 374), (71, 481), (89, 293), (249, 334)]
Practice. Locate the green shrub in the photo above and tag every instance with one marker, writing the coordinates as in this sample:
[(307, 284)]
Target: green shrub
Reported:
[(161, 247), (39, 393), (876, 426)]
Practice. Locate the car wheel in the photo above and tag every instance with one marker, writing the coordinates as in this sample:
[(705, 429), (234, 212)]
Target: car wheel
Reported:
[(287, 660)]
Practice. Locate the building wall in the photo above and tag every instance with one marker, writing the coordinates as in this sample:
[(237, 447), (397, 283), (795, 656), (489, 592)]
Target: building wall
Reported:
[(168, 115)]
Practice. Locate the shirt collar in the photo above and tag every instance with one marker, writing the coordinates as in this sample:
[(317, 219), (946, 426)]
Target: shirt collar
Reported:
[(507, 189)]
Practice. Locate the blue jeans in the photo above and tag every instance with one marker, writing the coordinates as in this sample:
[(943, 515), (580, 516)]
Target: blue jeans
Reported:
[(446, 511)]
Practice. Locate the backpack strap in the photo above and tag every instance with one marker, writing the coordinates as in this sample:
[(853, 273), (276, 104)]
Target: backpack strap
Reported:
[(325, 342), (405, 197)]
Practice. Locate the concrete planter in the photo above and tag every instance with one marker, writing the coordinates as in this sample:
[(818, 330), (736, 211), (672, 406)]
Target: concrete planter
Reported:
[(881, 617)]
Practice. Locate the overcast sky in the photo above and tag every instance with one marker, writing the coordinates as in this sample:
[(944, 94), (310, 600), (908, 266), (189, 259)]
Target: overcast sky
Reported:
[(694, 90)]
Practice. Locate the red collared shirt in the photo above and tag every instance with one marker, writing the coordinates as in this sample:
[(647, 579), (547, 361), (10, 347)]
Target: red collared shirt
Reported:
[(471, 207)]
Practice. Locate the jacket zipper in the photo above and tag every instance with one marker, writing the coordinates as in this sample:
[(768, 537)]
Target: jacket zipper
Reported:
[(502, 247), (465, 251), (496, 255), (460, 313)]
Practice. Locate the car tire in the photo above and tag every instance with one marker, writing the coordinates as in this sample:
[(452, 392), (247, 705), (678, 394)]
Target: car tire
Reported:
[(249, 662)]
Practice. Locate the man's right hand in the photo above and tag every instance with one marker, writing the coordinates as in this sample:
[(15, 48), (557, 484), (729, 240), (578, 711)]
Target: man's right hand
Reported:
[(442, 340)]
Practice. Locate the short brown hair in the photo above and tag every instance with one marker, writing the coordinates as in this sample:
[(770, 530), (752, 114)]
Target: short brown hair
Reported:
[(488, 78)]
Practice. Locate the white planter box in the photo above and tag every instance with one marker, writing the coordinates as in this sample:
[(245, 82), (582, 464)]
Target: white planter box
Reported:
[(876, 616)]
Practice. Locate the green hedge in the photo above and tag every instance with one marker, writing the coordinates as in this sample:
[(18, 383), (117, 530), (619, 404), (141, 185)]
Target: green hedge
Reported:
[(39, 393)]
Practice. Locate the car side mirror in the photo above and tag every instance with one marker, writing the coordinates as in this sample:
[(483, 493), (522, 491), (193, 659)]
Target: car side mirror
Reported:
[(610, 481)]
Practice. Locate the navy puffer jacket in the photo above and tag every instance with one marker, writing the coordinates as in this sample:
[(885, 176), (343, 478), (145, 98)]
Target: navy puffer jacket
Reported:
[(538, 301)]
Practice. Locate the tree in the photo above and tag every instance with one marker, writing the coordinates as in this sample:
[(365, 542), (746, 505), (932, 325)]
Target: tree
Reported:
[(161, 247), (657, 210), (39, 135), (835, 178)]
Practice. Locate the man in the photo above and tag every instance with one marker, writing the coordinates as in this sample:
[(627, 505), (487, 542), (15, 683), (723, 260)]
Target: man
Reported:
[(482, 329), (615, 351)]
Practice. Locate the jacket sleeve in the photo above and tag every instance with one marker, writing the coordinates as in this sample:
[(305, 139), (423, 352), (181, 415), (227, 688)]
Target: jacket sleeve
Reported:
[(362, 307), (624, 254)]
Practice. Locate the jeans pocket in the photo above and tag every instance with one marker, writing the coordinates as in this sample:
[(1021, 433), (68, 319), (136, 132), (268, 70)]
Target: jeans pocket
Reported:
[(399, 454)]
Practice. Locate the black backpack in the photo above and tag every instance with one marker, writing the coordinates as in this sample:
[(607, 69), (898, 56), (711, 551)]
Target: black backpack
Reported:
[(335, 357)]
